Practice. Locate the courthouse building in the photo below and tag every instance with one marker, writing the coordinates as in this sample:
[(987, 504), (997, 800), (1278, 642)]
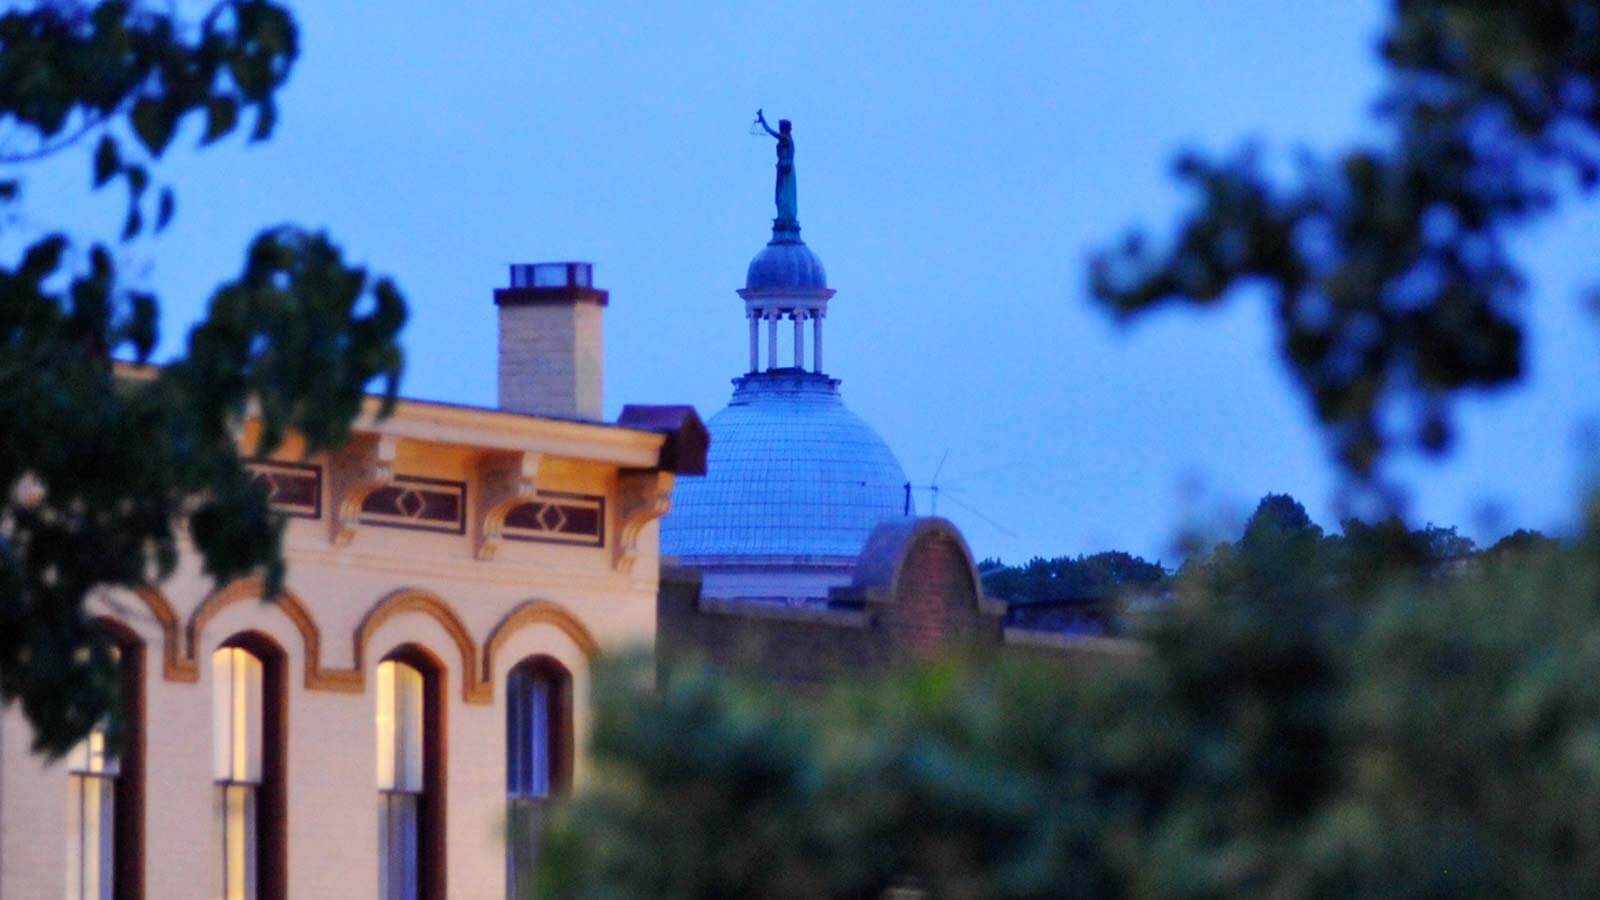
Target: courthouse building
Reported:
[(795, 481), (425, 674), (798, 556)]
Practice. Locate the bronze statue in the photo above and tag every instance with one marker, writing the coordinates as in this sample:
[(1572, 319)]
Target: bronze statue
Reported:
[(783, 192)]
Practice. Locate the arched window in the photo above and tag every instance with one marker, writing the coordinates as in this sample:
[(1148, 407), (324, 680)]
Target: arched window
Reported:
[(410, 779), (247, 765), (105, 792), (91, 818), (538, 758)]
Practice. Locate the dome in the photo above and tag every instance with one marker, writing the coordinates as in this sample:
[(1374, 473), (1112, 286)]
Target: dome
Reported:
[(791, 473), (785, 264)]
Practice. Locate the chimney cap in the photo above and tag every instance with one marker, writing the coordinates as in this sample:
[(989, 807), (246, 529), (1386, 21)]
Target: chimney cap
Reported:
[(552, 275), (550, 282)]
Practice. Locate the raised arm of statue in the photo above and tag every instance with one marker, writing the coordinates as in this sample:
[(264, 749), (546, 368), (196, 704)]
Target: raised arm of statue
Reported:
[(761, 117)]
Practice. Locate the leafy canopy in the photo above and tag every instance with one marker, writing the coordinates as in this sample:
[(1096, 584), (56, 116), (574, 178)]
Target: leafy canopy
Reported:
[(102, 460), (1386, 265), (1316, 715), (1066, 579)]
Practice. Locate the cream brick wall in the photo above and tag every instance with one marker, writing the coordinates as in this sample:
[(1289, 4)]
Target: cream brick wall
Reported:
[(550, 359), (331, 734)]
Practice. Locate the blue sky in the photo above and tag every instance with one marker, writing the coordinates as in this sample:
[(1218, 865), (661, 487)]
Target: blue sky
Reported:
[(957, 164)]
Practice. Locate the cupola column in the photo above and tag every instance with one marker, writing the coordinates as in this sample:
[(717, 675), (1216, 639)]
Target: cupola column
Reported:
[(772, 339), (816, 341), (755, 340), (799, 317)]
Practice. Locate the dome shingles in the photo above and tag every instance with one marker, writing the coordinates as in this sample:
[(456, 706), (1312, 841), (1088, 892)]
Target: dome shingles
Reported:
[(791, 473)]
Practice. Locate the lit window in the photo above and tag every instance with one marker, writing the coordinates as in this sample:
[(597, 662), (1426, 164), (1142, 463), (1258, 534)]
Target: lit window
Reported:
[(236, 748), (400, 780), (537, 728), (91, 819), (105, 793)]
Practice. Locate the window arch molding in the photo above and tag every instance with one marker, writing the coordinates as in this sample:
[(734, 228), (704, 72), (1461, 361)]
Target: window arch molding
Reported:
[(416, 600), (293, 608), (533, 613), (173, 666)]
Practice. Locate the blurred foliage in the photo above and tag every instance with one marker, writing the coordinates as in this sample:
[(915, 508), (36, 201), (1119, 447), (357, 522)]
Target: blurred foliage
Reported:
[(98, 469), (1387, 265), (1319, 715), (1381, 712)]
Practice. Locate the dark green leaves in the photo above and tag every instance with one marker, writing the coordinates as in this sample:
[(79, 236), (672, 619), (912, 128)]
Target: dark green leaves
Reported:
[(139, 327), (59, 68), (1387, 266), (221, 114), (166, 207), (133, 223), (299, 335), (291, 334), (117, 462), (107, 161), (266, 120), (1317, 716), (154, 122), (1066, 579)]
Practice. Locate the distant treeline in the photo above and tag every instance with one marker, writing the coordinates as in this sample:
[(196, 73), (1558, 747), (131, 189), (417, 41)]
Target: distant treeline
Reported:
[(1096, 577)]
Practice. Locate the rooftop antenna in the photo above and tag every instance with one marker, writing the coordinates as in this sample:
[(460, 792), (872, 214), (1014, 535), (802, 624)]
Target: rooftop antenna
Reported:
[(932, 487), (991, 522)]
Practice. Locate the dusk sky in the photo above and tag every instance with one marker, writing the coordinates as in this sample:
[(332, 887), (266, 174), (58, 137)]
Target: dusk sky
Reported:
[(957, 165)]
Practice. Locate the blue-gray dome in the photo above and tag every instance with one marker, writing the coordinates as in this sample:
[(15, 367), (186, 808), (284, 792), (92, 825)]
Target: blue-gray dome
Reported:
[(785, 264), (791, 473)]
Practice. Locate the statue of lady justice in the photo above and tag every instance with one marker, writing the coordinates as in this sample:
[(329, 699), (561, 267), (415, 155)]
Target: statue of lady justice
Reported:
[(783, 193)]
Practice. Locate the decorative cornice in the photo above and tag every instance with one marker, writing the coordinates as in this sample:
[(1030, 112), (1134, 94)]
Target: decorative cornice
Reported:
[(498, 429), (507, 481), (642, 498), (355, 470), (463, 569)]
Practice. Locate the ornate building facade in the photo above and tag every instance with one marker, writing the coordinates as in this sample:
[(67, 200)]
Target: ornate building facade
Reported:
[(423, 679)]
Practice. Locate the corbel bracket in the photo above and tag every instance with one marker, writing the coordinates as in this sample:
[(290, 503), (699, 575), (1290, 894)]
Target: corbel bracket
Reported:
[(643, 498), (357, 469), (508, 482)]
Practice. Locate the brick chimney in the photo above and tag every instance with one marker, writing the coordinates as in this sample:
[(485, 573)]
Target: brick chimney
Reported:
[(550, 340)]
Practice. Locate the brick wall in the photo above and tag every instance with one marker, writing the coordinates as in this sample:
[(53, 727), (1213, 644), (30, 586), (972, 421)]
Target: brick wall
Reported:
[(915, 594), (935, 602), (550, 359), (785, 646)]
